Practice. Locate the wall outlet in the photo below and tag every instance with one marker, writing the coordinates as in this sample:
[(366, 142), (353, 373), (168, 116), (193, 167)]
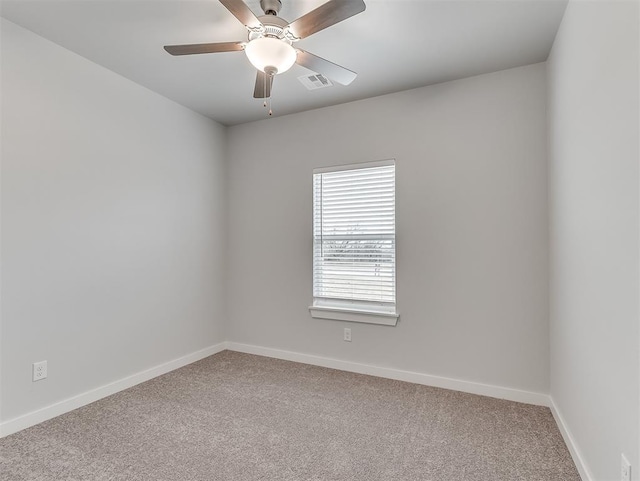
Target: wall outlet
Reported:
[(625, 469), (347, 334), (39, 370)]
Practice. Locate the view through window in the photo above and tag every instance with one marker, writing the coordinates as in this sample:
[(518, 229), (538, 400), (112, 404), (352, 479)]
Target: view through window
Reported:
[(354, 248)]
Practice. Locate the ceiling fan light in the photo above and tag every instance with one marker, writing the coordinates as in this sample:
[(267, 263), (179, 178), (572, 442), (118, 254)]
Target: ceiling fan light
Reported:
[(266, 52)]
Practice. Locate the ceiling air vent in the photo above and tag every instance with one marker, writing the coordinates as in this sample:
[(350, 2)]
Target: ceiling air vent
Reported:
[(314, 82)]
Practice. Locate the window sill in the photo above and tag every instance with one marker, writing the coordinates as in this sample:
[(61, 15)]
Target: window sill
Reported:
[(354, 315)]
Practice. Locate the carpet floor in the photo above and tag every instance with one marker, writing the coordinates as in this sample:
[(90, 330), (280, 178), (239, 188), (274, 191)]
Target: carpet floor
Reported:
[(240, 417)]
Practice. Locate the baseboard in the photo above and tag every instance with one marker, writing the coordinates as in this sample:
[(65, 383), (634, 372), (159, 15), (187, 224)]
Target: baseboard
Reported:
[(499, 392), (35, 417), (30, 419), (578, 460)]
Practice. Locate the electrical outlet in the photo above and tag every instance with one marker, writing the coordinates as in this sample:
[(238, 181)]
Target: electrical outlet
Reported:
[(347, 334), (625, 471), (39, 370)]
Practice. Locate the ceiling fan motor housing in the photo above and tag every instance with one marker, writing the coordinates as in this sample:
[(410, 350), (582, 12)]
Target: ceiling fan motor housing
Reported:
[(271, 7), (272, 27)]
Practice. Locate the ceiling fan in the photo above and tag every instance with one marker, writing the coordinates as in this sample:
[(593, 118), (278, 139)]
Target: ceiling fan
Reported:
[(270, 41)]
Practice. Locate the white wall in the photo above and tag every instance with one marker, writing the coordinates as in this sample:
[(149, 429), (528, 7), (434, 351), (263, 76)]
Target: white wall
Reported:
[(593, 184), (471, 228), (112, 225)]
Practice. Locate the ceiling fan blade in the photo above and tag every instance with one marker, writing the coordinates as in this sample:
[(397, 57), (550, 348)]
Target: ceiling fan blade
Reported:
[(264, 82), (330, 13), (334, 71), (242, 12), (204, 48)]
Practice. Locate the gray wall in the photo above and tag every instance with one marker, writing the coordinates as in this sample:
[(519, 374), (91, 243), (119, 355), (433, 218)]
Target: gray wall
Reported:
[(593, 184), (471, 228), (112, 225)]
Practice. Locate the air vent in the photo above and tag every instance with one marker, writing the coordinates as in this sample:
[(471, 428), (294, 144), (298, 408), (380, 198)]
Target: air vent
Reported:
[(314, 82)]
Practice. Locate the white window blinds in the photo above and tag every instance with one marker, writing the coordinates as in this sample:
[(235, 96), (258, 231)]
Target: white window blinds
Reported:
[(354, 236)]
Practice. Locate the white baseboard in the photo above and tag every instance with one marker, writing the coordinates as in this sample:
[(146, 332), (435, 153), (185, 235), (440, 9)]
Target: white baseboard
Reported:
[(578, 460), (30, 419), (499, 392)]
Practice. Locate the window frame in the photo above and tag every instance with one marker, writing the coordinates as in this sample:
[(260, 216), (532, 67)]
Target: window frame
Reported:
[(346, 309)]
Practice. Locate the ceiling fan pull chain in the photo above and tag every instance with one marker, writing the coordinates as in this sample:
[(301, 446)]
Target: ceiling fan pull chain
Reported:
[(270, 111), (265, 90)]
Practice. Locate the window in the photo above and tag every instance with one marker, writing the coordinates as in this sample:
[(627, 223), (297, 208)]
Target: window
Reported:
[(354, 243)]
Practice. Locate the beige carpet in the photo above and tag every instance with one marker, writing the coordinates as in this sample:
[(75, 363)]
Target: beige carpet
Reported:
[(240, 417)]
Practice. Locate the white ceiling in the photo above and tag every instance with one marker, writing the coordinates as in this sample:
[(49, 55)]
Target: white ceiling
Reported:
[(394, 45)]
